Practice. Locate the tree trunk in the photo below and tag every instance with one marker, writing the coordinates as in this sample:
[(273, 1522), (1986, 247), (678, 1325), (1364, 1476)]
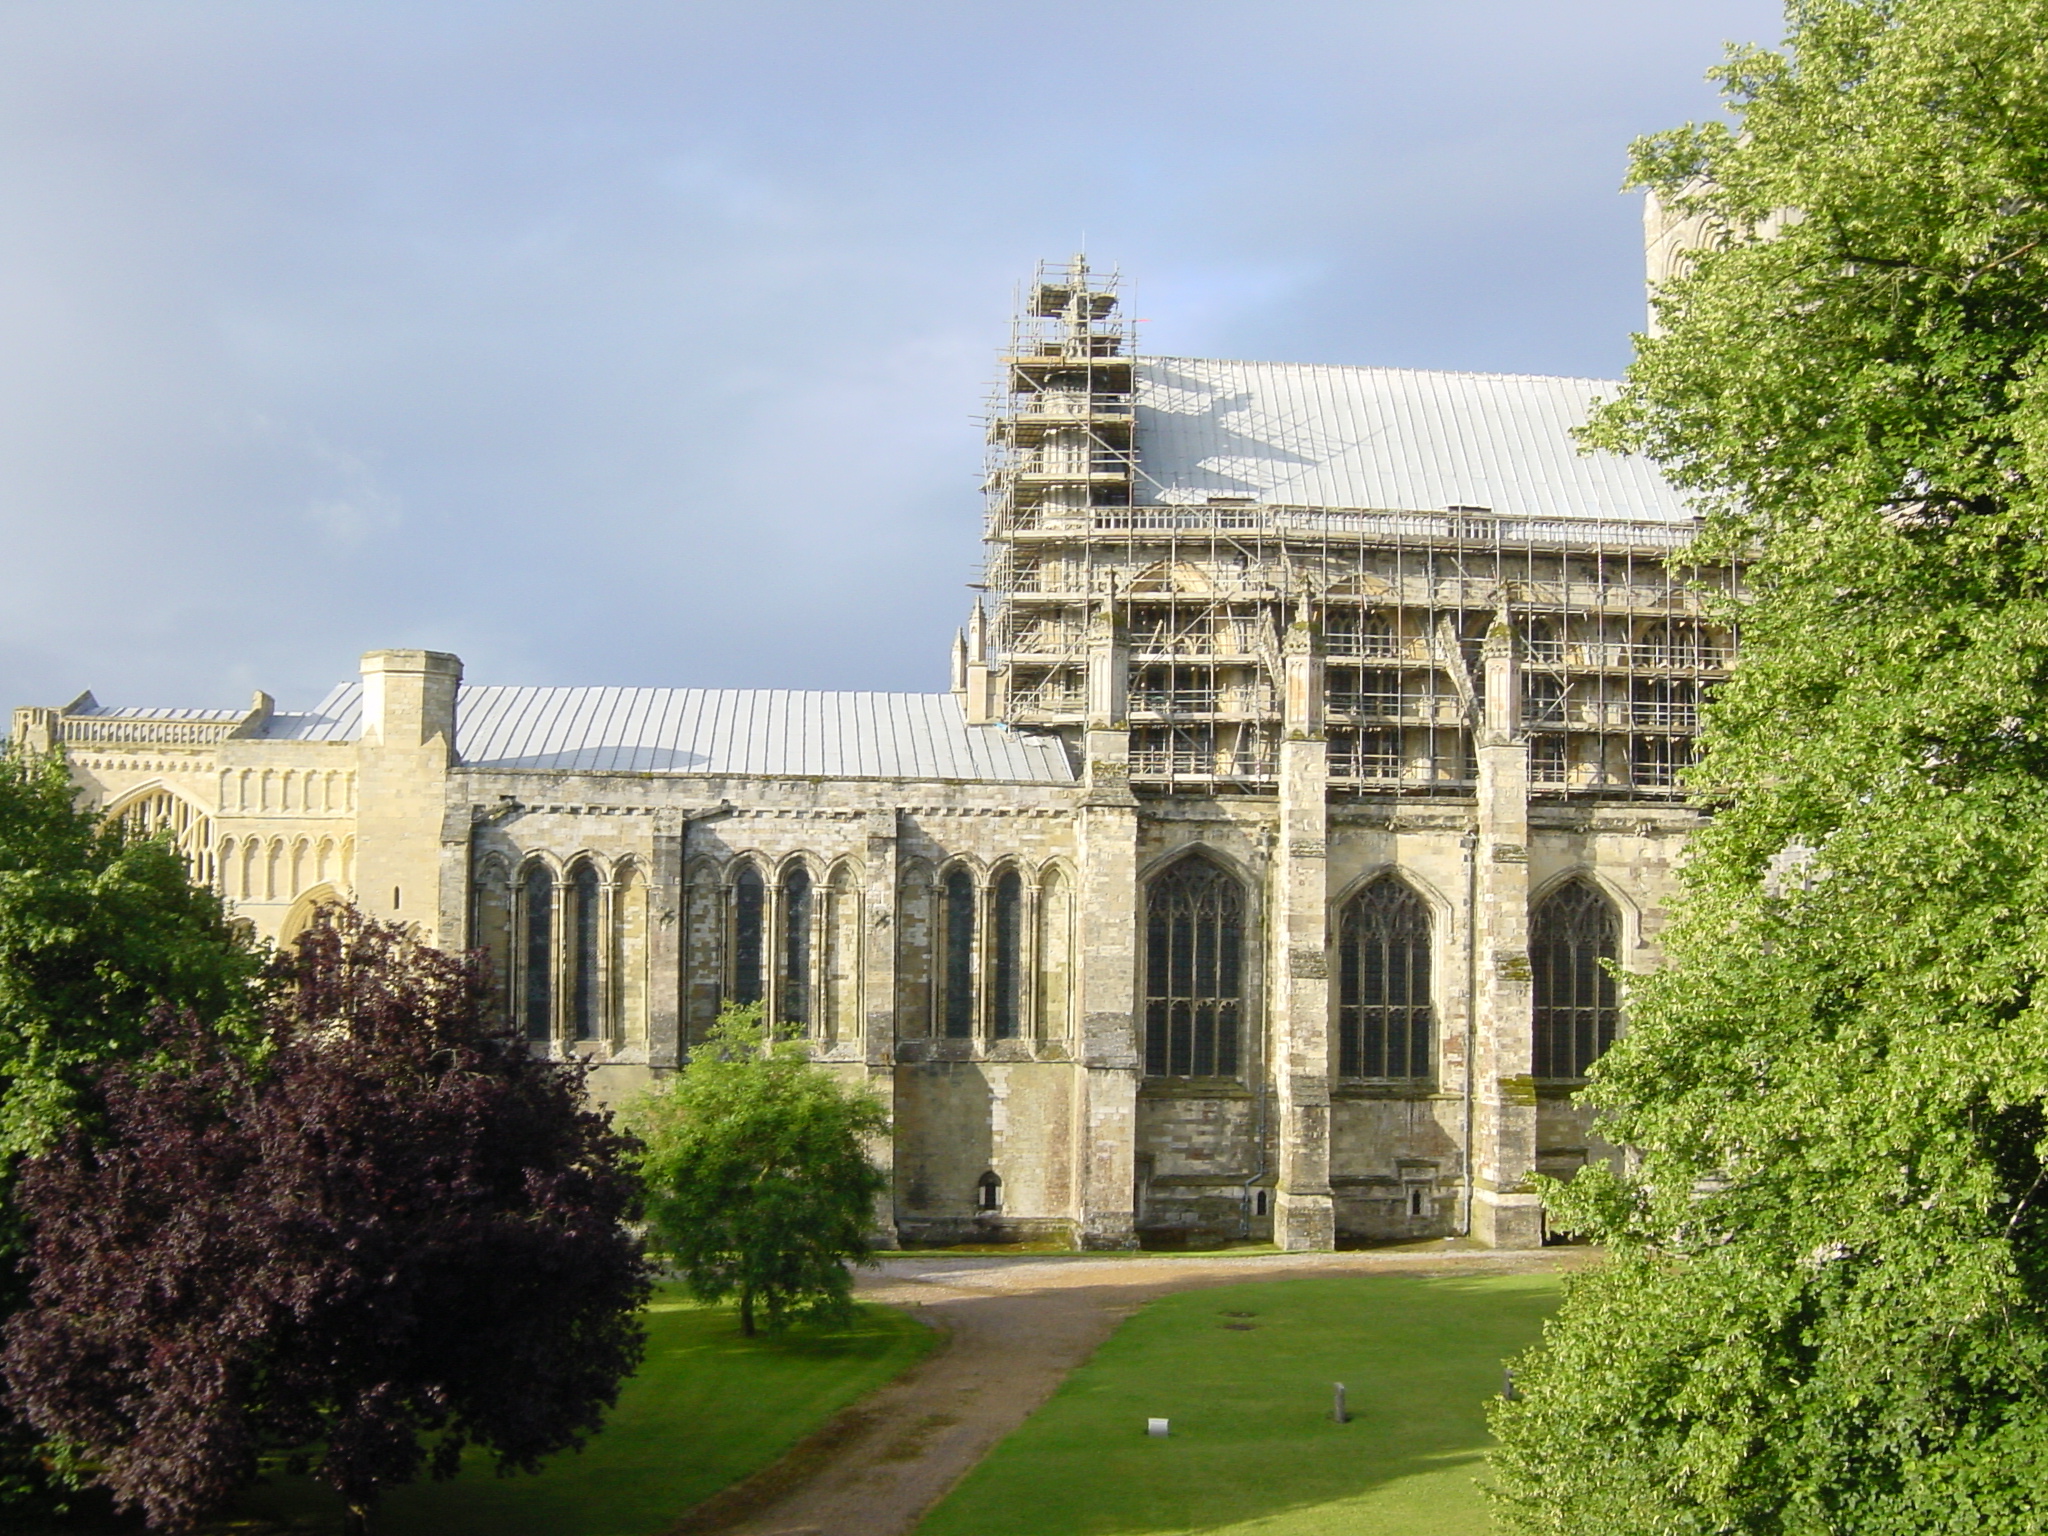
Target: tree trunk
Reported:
[(746, 1312), (355, 1520)]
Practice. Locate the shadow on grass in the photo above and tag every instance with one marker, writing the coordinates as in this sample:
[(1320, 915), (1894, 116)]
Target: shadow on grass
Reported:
[(1244, 1374), (706, 1409)]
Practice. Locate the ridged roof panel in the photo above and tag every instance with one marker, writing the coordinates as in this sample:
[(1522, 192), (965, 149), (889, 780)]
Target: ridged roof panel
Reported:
[(338, 717), (770, 732), (766, 732), (1383, 439)]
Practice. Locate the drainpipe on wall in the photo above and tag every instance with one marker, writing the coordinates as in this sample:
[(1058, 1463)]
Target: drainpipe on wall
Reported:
[(1470, 843), (1259, 1141), (1259, 1078)]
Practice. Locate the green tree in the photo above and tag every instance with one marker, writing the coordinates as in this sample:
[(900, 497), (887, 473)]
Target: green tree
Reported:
[(1826, 1303), (758, 1180), (98, 931)]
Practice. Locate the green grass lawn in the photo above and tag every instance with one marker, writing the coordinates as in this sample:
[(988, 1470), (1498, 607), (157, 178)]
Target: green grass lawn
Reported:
[(1253, 1448), (706, 1409)]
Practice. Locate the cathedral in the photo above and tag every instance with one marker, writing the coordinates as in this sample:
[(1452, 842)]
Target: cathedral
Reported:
[(1314, 745)]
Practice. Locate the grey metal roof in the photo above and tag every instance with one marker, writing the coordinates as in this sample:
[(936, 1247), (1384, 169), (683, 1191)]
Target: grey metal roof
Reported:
[(1383, 439), (772, 732), (85, 705), (338, 717)]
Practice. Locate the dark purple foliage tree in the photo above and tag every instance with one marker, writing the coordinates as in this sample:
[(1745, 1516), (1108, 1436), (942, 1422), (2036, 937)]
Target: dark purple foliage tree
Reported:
[(400, 1235)]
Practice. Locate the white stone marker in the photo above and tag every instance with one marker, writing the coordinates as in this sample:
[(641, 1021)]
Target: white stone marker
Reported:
[(1156, 1428)]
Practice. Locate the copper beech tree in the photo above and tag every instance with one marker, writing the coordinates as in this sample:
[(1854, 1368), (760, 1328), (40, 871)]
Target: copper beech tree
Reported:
[(396, 1235)]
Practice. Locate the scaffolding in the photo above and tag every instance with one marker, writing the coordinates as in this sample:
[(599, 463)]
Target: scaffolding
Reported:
[(1619, 637)]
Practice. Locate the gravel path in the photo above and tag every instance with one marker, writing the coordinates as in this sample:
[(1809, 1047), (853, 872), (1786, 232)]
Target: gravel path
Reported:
[(1015, 1327)]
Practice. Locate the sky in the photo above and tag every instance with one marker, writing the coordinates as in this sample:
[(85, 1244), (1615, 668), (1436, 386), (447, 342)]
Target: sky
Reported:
[(648, 343)]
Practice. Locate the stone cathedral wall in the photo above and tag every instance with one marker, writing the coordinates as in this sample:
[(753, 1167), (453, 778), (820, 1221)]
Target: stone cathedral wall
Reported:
[(1041, 1126)]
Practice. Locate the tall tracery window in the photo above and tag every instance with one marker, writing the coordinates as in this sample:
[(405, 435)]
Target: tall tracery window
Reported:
[(537, 946), (1571, 933), (1194, 971), (1385, 1025), (749, 918), (586, 977), (956, 904), (1006, 976), (795, 1004), (159, 813)]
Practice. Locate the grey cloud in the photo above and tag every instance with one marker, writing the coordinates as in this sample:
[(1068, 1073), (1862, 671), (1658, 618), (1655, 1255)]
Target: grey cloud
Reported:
[(644, 343)]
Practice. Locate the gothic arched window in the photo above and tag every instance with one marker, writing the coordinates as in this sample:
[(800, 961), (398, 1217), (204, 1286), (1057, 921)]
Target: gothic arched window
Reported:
[(1376, 635), (1673, 643), (1571, 933), (537, 952), (1006, 977), (1385, 1026), (956, 908), (1194, 971), (586, 979), (749, 916), (796, 946), (1543, 641)]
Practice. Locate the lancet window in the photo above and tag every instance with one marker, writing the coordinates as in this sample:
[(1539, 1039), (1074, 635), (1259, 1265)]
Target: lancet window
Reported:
[(1006, 970), (794, 1004), (749, 924), (956, 909), (586, 977), (537, 952)]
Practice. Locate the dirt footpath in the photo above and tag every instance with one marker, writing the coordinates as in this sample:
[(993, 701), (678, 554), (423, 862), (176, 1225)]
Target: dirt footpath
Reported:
[(1015, 1327)]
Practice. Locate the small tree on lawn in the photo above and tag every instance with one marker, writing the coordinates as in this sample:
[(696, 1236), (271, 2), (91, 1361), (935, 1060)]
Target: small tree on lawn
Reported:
[(758, 1181), (399, 1235)]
